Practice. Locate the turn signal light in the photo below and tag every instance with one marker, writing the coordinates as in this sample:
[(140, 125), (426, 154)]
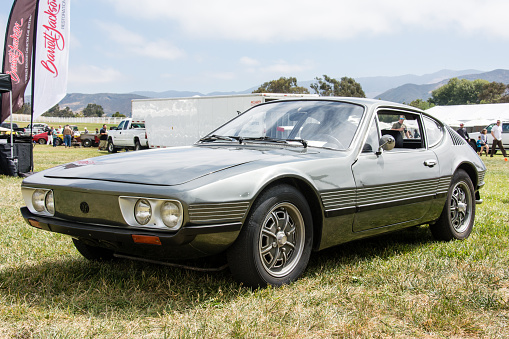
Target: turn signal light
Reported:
[(34, 223), (146, 239)]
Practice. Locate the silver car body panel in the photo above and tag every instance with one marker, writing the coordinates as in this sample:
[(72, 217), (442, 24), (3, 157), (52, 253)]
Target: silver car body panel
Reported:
[(356, 194)]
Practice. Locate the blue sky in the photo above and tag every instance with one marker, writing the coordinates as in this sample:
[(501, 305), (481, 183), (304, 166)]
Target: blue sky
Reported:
[(120, 46)]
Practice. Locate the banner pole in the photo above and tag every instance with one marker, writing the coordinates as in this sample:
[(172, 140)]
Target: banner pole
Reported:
[(12, 138), (34, 49)]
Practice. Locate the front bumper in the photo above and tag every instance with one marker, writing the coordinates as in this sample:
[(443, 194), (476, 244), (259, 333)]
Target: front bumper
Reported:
[(188, 242)]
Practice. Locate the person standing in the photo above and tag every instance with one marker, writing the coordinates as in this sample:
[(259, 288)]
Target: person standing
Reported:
[(103, 138), (401, 127), (496, 132), (50, 136), (484, 142), (462, 131), (67, 136)]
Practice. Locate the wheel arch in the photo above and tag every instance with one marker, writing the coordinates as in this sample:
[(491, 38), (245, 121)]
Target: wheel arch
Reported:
[(311, 196), (471, 171)]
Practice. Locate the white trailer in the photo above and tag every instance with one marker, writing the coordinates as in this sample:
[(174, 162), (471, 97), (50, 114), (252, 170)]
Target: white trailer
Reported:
[(182, 121)]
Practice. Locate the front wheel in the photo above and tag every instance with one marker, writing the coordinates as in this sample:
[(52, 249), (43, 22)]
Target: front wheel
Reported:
[(111, 147), (42, 141), (457, 218), (274, 245)]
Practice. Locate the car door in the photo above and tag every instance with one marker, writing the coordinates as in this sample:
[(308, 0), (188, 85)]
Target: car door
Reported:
[(122, 133), (396, 186)]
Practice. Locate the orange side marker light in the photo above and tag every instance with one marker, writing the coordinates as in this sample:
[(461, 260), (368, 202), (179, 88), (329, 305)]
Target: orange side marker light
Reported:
[(146, 239)]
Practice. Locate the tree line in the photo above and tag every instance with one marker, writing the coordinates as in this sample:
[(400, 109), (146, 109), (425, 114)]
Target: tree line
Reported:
[(92, 110), (455, 92), (326, 86)]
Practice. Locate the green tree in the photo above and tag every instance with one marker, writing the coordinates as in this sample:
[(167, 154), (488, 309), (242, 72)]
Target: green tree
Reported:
[(421, 104), (458, 92), (282, 85), (25, 109), (118, 115), (55, 111), (346, 87), (493, 92), (93, 110)]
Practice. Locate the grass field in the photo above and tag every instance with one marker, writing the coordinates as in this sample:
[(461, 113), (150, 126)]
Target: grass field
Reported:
[(396, 286)]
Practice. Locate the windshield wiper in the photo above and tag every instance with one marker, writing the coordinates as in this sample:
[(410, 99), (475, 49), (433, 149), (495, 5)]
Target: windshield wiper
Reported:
[(302, 141), (279, 141), (215, 137)]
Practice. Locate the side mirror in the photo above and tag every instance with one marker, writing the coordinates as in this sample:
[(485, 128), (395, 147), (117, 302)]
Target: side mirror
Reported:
[(387, 142)]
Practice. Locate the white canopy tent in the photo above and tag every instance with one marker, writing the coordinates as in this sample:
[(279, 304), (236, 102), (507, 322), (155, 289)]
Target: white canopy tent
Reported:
[(474, 117)]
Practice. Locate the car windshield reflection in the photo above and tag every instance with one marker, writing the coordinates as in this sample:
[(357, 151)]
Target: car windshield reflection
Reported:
[(326, 124)]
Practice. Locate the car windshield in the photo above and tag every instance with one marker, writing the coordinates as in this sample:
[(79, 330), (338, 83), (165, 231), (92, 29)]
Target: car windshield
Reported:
[(328, 124)]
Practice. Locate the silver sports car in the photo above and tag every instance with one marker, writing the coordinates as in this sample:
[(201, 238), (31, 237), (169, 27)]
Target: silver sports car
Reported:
[(267, 188)]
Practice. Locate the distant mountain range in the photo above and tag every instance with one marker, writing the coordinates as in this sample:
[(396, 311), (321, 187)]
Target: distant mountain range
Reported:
[(404, 88), (411, 91)]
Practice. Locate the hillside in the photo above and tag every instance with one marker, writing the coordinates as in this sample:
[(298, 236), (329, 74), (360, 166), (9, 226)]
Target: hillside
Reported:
[(410, 92), (111, 102), (405, 88)]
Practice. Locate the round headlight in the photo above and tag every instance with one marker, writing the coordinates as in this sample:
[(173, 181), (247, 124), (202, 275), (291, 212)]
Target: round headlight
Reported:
[(38, 198), (49, 202), (142, 211), (171, 214)]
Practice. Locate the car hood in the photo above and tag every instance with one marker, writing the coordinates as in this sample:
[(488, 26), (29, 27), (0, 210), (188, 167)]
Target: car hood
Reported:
[(168, 167)]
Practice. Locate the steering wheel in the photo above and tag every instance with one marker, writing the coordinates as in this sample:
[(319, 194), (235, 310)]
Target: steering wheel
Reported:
[(333, 140)]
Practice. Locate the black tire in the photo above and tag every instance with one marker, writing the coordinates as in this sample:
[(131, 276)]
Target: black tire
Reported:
[(137, 145), (111, 147), (457, 218), (42, 141), (87, 143), (274, 245), (93, 252), (58, 141)]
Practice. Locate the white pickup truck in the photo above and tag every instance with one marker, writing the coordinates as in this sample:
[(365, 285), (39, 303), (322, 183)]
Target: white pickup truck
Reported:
[(129, 134)]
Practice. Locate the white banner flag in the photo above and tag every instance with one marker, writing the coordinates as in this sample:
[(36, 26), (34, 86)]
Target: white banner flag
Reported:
[(52, 54)]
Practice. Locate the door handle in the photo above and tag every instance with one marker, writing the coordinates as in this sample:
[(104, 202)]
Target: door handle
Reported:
[(430, 163)]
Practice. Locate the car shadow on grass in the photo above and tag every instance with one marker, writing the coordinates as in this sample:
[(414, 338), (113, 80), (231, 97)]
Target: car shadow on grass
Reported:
[(80, 286)]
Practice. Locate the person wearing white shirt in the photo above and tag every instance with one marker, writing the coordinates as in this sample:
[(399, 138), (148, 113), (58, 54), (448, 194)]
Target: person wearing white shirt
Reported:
[(496, 132)]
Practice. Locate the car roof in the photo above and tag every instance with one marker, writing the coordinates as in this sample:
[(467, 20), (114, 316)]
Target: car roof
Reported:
[(359, 101)]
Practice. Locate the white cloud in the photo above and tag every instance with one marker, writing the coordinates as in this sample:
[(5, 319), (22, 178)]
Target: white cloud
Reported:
[(247, 61), (270, 21), (139, 45), (90, 75)]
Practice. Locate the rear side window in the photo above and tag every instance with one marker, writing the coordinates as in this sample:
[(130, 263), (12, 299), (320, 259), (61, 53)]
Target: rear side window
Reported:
[(434, 131)]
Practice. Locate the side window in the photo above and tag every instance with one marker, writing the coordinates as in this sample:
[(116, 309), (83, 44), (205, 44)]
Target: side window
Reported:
[(434, 131), (373, 139), (121, 125), (406, 128), (505, 128)]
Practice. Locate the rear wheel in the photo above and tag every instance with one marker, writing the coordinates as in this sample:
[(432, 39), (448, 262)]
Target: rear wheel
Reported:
[(41, 141), (93, 252), (137, 145), (87, 143), (274, 245), (58, 141), (457, 218)]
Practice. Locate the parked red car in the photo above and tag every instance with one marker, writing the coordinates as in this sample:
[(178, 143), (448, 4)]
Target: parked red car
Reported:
[(42, 138)]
